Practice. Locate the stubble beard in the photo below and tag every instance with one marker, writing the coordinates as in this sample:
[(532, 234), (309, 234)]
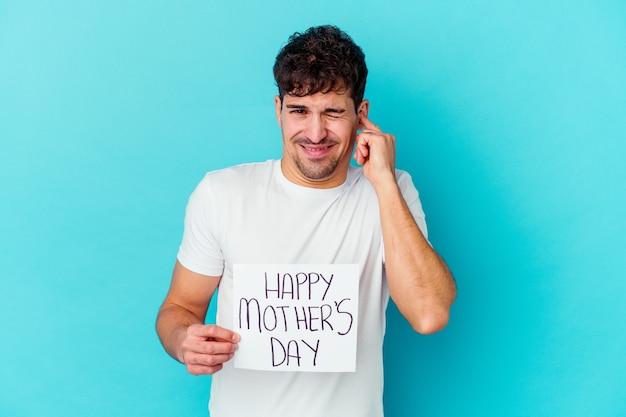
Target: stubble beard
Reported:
[(315, 170)]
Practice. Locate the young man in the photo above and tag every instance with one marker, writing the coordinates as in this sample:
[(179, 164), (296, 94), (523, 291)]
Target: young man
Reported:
[(310, 207)]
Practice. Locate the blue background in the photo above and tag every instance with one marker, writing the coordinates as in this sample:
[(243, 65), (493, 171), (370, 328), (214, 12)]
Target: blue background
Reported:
[(511, 117)]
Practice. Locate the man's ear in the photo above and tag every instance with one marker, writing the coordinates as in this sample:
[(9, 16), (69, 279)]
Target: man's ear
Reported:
[(363, 110), (278, 103)]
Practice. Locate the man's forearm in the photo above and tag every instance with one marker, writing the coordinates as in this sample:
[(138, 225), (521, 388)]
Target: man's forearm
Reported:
[(172, 323), (419, 281)]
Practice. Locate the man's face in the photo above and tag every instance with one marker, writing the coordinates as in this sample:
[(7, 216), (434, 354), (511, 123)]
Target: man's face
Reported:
[(318, 137)]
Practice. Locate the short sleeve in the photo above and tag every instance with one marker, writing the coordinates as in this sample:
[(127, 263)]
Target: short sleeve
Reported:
[(412, 198), (199, 250)]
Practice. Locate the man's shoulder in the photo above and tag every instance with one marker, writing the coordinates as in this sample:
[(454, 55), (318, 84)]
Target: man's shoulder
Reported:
[(402, 176), (244, 169), (251, 171)]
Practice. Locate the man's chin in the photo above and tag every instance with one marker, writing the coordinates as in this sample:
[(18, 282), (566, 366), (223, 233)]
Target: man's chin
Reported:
[(317, 171)]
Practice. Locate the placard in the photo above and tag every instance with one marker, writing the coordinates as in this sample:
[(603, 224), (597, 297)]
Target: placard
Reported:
[(296, 317)]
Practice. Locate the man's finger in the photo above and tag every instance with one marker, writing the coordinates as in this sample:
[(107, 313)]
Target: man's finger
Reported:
[(215, 348), (193, 358), (367, 123), (213, 332), (203, 369)]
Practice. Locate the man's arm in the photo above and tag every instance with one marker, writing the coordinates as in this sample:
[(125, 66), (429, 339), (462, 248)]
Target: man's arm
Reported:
[(180, 324), (419, 281)]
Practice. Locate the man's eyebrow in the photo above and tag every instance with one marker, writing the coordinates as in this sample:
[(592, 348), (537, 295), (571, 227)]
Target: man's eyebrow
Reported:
[(327, 110), (334, 110)]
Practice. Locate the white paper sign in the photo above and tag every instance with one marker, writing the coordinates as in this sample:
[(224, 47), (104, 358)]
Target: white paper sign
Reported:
[(296, 317)]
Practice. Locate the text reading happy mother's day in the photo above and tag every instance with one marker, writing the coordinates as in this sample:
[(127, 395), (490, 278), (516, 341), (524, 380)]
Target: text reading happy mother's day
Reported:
[(296, 317)]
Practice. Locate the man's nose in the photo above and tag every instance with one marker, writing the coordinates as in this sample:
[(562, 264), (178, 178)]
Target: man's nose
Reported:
[(316, 129)]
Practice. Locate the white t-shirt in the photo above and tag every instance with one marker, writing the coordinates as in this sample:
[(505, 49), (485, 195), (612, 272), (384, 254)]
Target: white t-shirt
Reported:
[(251, 214)]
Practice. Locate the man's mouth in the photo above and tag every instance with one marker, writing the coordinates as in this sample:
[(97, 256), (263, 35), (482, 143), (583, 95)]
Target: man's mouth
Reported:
[(317, 148), (317, 151)]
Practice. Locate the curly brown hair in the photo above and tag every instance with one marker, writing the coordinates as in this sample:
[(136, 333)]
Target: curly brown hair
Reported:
[(321, 60)]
